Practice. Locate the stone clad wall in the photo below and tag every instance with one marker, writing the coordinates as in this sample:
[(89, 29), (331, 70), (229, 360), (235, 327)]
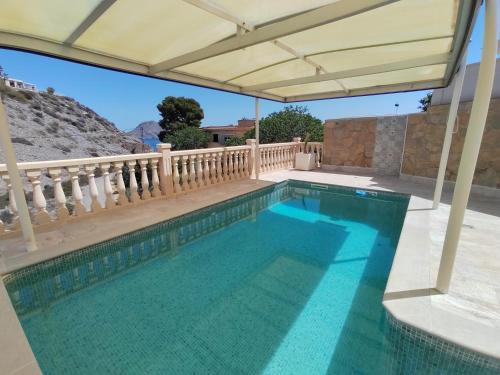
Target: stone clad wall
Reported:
[(389, 143), (424, 141), (349, 142), (377, 143)]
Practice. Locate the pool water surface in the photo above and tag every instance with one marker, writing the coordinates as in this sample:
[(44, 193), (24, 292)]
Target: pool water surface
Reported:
[(285, 280)]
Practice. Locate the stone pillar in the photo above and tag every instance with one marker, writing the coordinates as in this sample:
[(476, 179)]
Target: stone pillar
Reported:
[(165, 169)]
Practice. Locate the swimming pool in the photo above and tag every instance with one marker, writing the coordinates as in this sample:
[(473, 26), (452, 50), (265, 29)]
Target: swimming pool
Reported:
[(285, 280)]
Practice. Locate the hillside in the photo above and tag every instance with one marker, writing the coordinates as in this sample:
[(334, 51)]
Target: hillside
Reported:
[(52, 127), (147, 129)]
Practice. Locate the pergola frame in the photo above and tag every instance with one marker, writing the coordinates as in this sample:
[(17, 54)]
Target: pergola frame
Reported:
[(248, 35)]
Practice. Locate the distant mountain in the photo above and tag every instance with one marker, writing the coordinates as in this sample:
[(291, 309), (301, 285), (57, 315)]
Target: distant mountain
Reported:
[(147, 129), (51, 127)]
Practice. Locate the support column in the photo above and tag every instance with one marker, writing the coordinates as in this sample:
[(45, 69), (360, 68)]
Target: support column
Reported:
[(165, 169), (472, 144), (452, 117), (15, 179), (257, 139)]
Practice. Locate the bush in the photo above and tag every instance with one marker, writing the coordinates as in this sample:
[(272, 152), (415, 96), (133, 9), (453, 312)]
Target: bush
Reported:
[(188, 139), (284, 125), (50, 90)]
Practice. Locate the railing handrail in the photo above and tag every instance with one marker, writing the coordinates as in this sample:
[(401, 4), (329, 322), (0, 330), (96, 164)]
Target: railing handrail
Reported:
[(266, 145), (83, 161)]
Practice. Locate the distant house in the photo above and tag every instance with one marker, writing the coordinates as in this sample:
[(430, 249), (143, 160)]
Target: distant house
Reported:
[(219, 135), (18, 84)]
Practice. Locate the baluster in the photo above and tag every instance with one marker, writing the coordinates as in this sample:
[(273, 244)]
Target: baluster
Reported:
[(76, 191), (220, 177), (59, 196), (144, 179), (263, 160), (236, 165), (206, 169), (120, 184), (93, 193), (134, 195), (230, 166), (246, 165), (185, 178), (12, 207), (225, 165), (41, 215), (213, 170), (282, 157), (273, 158), (109, 202), (155, 180), (199, 170), (175, 166), (192, 174)]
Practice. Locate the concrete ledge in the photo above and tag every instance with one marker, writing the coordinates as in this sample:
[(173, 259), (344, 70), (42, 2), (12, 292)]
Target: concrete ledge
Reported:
[(410, 296), (347, 169), (484, 191)]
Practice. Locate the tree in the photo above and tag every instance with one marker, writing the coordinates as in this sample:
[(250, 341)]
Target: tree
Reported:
[(50, 90), (425, 102), (188, 138), (3, 75), (283, 126), (178, 113)]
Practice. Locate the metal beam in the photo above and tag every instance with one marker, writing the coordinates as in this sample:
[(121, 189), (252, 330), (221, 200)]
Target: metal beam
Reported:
[(341, 50), (450, 123), (15, 180), (50, 48), (307, 20), (97, 12), (243, 26), (399, 87), (441, 58), (472, 144)]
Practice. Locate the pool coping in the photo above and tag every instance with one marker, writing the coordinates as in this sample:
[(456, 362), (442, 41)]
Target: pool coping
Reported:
[(411, 297)]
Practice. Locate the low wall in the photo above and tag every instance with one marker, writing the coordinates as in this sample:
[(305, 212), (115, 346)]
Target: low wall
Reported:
[(411, 144)]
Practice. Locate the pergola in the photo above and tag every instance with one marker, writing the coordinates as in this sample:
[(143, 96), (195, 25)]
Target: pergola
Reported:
[(282, 50)]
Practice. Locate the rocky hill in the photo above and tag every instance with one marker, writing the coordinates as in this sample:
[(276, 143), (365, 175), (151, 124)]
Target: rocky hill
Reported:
[(50, 127), (146, 129)]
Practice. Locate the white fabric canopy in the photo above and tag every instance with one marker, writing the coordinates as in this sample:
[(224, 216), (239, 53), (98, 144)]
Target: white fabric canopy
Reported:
[(286, 50)]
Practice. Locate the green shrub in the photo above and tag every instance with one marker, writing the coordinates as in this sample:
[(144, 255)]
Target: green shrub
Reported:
[(235, 141)]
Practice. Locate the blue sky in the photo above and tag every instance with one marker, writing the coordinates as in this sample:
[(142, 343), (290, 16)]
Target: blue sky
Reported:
[(127, 100)]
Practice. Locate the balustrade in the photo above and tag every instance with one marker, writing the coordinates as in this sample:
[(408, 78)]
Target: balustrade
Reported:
[(67, 189)]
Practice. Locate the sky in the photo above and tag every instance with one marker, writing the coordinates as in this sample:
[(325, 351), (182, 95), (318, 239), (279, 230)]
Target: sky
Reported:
[(128, 100)]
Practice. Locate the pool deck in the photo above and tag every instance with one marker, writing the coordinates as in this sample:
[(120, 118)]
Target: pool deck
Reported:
[(469, 314)]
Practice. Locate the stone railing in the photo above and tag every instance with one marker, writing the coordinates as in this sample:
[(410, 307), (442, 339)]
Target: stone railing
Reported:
[(277, 156), (62, 190), (194, 169)]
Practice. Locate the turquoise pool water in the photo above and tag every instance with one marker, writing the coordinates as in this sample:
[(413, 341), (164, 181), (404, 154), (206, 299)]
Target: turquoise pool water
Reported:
[(286, 280)]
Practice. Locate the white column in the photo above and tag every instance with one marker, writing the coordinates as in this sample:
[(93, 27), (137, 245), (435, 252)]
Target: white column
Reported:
[(472, 144), (452, 117), (15, 179), (257, 139)]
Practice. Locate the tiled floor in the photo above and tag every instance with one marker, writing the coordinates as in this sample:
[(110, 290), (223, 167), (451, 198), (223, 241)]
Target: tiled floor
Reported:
[(469, 314)]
